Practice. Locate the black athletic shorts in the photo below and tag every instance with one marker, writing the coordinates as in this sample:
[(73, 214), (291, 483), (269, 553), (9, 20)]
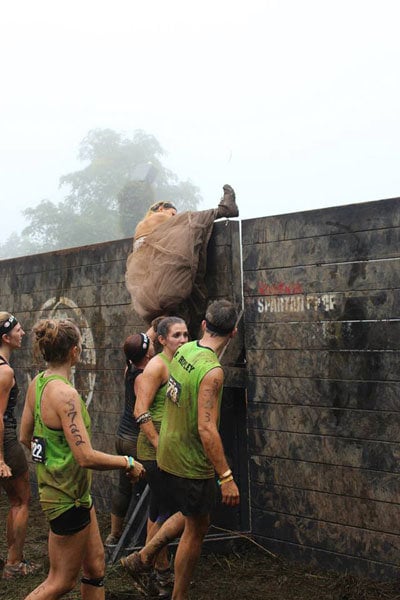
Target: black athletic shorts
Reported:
[(160, 507), (71, 521), (193, 497)]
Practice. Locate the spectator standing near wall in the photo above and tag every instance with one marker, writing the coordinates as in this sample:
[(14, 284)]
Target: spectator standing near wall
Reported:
[(14, 476)]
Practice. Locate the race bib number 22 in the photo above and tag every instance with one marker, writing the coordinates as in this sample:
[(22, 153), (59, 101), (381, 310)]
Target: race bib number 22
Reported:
[(38, 449)]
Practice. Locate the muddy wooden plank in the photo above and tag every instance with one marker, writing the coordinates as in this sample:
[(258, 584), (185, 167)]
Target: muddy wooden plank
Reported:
[(332, 479), (220, 285), (218, 255), (367, 514), (236, 262), (321, 279), (331, 537), (70, 278), (347, 335), (107, 380), (102, 440), (223, 233), (66, 273), (85, 295), (103, 486), (108, 401), (343, 422), (333, 306), (343, 247), (365, 216), (330, 450), (97, 317), (81, 255), (368, 395), (330, 364), (105, 422)]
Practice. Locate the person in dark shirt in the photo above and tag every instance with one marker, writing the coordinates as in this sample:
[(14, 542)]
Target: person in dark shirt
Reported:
[(14, 477), (138, 349)]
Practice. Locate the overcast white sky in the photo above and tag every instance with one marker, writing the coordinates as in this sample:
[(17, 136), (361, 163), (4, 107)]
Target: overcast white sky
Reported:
[(295, 103)]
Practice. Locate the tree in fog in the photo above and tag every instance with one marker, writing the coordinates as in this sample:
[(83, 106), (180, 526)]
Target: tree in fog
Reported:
[(104, 201), (131, 199)]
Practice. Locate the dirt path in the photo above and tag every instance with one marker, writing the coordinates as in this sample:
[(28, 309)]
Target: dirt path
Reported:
[(249, 575)]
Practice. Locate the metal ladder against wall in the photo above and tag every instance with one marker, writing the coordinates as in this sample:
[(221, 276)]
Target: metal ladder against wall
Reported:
[(135, 528), (134, 534)]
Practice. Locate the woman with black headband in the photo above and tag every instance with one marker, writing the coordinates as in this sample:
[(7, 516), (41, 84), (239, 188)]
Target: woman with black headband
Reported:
[(172, 333), (165, 273), (138, 349), (14, 476)]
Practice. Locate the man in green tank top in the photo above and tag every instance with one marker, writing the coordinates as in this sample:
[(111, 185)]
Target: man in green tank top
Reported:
[(190, 449)]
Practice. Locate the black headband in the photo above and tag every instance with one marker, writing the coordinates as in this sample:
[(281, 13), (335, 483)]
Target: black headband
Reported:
[(218, 330), (9, 324), (145, 341), (144, 346)]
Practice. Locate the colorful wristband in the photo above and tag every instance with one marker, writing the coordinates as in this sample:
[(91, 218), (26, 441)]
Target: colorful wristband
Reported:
[(225, 480), (144, 418), (226, 474), (130, 463)]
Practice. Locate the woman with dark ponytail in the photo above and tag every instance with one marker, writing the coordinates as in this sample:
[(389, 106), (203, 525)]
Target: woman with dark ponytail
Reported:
[(138, 349)]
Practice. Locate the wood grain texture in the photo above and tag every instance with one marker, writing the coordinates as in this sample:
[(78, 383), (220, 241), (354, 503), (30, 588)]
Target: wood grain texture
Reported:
[(322, 315), (88, 285)]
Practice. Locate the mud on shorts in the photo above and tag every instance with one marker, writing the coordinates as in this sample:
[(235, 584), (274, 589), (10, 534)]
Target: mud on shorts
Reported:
[(193, 497), (125, 490), (14, 455)]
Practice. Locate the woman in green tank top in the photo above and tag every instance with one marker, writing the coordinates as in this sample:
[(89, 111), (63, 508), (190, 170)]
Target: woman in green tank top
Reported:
[(172, 332), (56, 427)]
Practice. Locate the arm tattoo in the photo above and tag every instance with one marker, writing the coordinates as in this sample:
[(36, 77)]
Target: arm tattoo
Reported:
[(71, 413)]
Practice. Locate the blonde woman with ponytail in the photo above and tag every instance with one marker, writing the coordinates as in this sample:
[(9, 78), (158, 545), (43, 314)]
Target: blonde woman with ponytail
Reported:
[(56, 425)]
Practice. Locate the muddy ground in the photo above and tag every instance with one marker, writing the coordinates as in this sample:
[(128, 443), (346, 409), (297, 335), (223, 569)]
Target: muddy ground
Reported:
[(251, 574)]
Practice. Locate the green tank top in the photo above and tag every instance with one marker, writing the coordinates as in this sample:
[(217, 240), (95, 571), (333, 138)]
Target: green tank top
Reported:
[(180, 450), (62, 482), (145, 449)]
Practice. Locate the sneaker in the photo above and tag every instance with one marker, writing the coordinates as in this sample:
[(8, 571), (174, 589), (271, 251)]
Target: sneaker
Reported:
[(152, 587), (111, 540), (25, 567), (138, 570), (164, 583)]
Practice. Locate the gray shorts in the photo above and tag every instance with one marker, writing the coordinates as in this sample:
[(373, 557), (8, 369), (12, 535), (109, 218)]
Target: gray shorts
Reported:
[(14, 455)]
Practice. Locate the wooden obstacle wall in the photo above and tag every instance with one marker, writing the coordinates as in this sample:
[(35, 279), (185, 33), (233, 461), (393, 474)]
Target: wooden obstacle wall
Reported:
[(322, 338), (88, 285), (320, 341)]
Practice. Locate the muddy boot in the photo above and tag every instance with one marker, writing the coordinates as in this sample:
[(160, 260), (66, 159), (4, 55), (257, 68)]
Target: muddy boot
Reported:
[(227, 206)]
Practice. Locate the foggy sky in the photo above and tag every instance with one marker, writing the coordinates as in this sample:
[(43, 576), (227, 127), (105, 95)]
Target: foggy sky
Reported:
[(296, 104)]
